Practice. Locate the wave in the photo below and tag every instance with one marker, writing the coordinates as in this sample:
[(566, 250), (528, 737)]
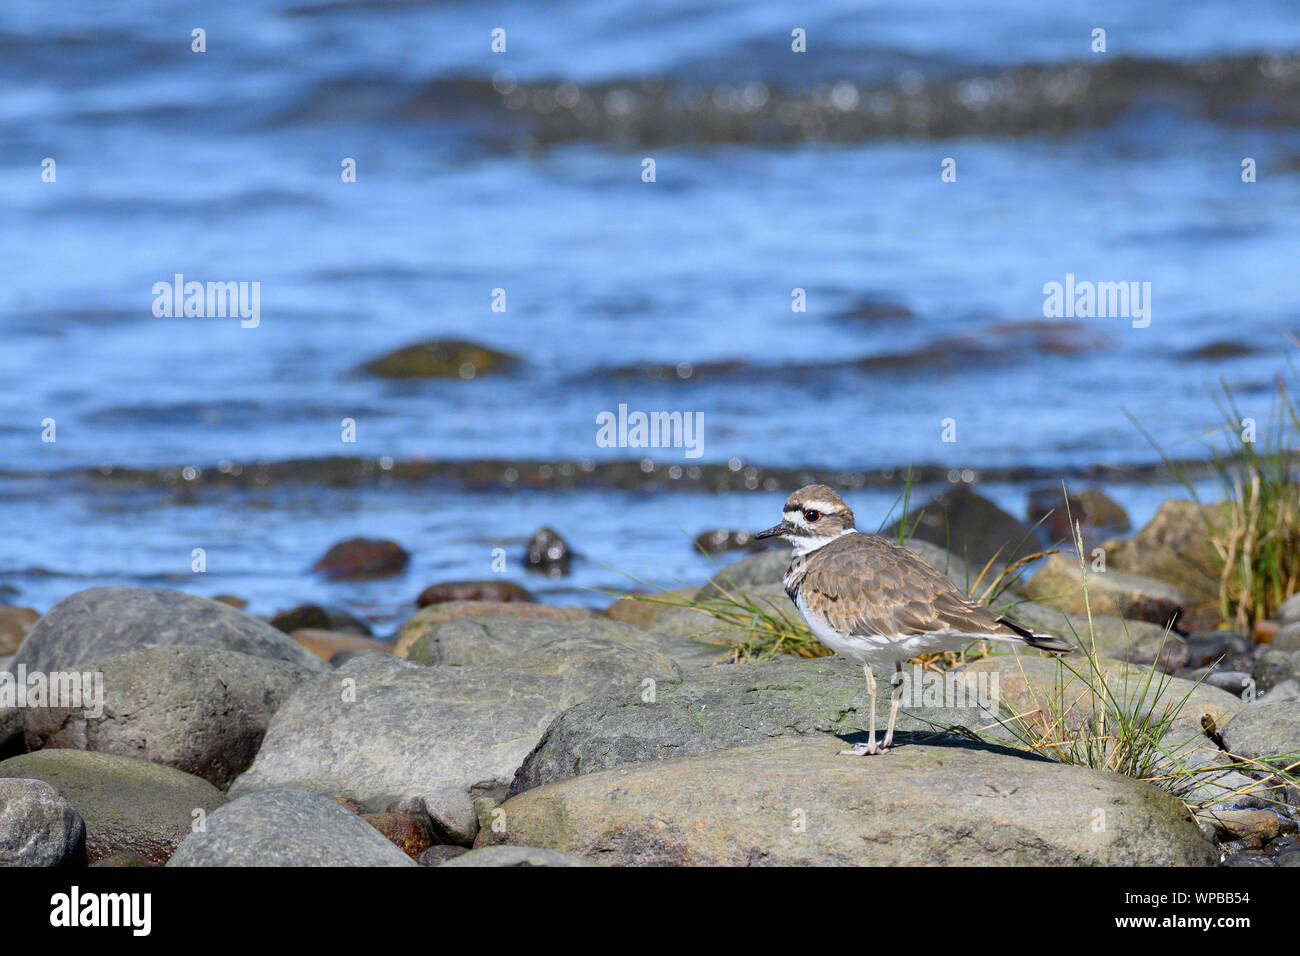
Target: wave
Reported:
[(1015, 101)]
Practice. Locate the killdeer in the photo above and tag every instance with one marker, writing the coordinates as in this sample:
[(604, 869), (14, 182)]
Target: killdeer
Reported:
[(876, 603)]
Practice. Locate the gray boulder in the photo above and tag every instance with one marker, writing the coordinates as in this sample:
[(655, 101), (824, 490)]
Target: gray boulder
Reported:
[(38, 827), (476, 640), (102, 622), (203, 710), (287, 828), (731, 706), (1288, 612), (793, 802), (1276, 666), (1265, 729), (382, 730), (128, 805)]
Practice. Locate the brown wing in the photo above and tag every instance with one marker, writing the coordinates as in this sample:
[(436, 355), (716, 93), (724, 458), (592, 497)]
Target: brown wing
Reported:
[(872, 586)]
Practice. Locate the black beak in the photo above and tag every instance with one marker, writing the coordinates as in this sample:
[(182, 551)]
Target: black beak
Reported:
[(775, 531)]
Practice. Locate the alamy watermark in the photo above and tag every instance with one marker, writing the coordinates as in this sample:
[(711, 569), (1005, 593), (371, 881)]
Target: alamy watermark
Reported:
[(624, 429), (75, 690), (208, 300), (923, 688), (1098, 300)]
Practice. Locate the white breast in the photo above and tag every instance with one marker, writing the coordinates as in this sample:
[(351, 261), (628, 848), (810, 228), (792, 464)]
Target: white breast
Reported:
[(878, 650)]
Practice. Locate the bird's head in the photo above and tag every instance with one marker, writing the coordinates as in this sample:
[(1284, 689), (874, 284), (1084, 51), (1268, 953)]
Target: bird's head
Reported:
[(813, 516)]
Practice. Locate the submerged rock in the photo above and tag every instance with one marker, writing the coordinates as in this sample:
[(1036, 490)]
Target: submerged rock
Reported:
[(491, 590), (548, 553), (362, 558), (440, 358)]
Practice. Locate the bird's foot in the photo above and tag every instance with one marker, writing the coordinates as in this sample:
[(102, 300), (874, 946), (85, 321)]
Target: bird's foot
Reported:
[(864, 750)]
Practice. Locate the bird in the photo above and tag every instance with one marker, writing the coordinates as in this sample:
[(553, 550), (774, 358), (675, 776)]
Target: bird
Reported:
[(877, 603)]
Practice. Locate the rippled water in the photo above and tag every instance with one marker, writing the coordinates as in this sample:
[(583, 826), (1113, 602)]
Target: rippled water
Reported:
[(522, 171)]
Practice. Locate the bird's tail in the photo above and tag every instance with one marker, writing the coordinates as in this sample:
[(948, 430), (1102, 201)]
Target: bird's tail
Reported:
[(1044, 642)]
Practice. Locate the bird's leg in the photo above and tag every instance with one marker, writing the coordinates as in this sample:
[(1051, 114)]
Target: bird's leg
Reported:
[(870, 748), (895, 701)]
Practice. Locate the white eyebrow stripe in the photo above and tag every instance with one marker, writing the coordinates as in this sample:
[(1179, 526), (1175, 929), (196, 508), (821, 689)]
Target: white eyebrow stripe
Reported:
[(823, 506)]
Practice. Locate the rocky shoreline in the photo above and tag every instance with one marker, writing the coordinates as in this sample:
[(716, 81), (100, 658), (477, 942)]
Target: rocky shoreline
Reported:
[(495, 731)]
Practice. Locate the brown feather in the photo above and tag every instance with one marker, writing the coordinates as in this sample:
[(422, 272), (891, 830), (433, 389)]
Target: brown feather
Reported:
[(867, 585)]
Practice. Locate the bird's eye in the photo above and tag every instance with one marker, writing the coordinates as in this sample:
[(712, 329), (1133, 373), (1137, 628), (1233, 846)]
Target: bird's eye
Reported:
[(811, 516)]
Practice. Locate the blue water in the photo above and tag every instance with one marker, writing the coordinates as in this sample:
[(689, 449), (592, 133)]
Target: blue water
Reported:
[(774, 171)]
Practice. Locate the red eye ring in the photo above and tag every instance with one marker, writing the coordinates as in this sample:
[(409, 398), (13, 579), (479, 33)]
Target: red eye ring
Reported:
[(812, 516)]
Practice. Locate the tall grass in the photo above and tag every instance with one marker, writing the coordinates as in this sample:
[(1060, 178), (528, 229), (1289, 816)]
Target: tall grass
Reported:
[(1255, 530), (1127, 723)]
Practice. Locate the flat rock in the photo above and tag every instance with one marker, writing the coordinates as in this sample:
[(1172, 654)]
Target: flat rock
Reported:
[(429, 618), (101, 622), (287, 828), (38, 826), (128, 805), (1058, 583), (477, 640), (794, 802), (203, 710), (516, 856), (730, 706), (382, 730)]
